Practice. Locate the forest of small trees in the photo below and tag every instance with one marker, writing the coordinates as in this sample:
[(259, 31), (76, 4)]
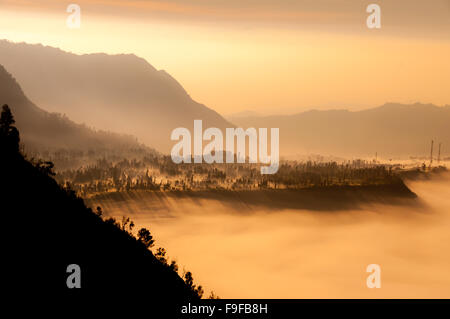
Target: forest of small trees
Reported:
[(159, 173)]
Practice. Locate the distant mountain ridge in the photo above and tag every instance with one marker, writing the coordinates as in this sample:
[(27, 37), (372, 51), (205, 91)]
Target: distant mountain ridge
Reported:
[(41, 130), (390, 130), (122, 93)]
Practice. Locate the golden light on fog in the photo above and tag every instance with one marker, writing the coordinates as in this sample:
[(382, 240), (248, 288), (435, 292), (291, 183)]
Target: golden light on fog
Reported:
[(232, 66), (270, 253)]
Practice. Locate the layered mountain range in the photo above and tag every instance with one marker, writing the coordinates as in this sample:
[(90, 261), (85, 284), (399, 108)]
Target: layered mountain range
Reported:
[(125, 94), (121, 93)]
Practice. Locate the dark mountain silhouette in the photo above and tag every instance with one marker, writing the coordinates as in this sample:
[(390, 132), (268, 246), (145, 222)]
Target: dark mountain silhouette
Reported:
[(391, 130), (43, 130), (122, 93), (54, 229)]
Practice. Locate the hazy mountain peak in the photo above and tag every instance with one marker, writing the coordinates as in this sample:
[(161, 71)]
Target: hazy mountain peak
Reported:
[(122, 93)]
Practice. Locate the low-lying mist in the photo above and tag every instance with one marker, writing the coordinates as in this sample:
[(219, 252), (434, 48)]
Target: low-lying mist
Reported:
[(244, 251)]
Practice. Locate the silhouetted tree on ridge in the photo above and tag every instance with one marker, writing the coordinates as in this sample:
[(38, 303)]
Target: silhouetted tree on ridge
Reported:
[(9, 136), (146, 238)]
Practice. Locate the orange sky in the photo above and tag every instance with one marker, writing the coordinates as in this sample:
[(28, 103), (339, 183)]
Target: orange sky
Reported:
[(267, 56)]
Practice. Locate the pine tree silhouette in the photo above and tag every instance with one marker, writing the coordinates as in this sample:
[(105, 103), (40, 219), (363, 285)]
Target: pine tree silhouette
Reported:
[(9, 135)]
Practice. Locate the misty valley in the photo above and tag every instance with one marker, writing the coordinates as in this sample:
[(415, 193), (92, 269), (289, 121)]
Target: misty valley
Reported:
[(294, 222), (109, 166)]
